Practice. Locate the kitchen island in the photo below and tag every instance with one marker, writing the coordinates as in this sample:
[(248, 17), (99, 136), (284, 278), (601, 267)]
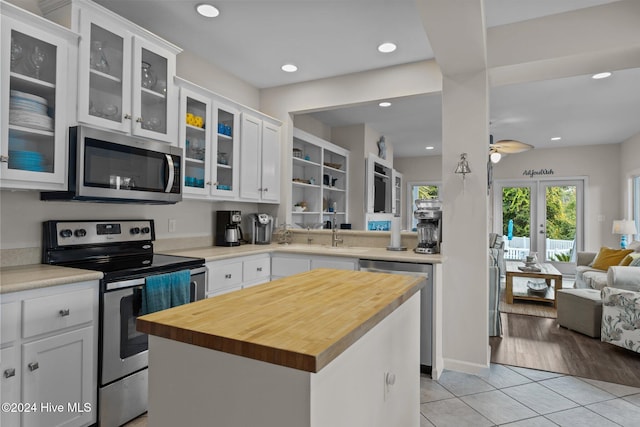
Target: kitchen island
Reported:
[(321, 348)]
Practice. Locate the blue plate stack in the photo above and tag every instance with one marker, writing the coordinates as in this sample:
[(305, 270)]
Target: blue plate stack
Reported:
[(26, 160)]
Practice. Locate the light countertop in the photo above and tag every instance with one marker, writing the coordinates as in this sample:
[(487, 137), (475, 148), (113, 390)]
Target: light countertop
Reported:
[(34, 276), (302, 321), (213, 253)]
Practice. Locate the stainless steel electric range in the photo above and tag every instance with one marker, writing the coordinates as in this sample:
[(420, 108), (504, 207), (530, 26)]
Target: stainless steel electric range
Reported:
[(123, 251)]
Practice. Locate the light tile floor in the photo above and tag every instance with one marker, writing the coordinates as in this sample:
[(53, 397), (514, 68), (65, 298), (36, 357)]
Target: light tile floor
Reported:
[(519, 397)]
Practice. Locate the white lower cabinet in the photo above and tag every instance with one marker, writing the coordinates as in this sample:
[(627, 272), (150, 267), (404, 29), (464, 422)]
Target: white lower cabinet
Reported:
[(48, 359), (285, 264), (57, 376), (232, 274)]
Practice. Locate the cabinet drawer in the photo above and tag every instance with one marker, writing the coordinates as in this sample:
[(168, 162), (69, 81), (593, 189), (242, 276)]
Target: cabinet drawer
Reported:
[(224, 276), (59, 311), (256, 269), (10, 318)]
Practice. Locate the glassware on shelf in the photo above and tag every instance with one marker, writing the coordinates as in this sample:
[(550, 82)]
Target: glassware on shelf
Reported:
[(153, 123), (36, 60), (16, 53), (149, 78), (223, 159), (110, 111), (98, 59)]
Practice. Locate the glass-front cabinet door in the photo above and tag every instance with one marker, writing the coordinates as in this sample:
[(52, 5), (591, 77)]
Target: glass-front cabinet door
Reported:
[(225, 173), (33, 93), (123, 80), (154, 100), (104, 77), (195, 138)]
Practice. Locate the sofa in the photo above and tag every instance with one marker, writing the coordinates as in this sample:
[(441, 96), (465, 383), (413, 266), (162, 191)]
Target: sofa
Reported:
[(615, 276), (619, 287)]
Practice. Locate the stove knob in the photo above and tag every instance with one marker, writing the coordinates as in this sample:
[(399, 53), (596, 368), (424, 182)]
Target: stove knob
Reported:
[(66, 233), (145, 230), (135, 230), (80, 232)]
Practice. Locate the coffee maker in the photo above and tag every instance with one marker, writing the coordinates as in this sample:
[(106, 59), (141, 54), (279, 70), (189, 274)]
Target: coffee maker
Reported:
[(262, 229), (429, 228), (228, 230)]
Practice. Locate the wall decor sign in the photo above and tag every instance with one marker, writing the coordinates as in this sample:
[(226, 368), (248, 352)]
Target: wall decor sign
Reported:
[(532, 172)]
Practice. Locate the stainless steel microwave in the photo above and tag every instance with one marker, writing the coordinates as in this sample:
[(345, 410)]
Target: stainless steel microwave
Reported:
[(110, 167)]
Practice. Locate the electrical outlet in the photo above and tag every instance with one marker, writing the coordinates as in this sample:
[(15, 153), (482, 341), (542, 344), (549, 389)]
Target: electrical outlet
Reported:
[(172, 225)]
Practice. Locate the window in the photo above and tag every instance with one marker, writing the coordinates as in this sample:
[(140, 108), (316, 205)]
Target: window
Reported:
[(421, 190), (636, 205)]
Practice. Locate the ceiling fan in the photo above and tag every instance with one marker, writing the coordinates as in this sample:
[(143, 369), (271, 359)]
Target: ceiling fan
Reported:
[(505, 146)]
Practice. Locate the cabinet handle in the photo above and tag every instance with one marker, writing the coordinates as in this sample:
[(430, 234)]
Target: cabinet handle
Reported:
[(4, 159), (259, 268), (265, 189), (64, 312), (139, 120), (8, 373), (227, 276), (127, 116), (33, 366), (208, 182)]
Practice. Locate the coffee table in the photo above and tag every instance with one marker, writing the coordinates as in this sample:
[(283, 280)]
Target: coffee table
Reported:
[(521, 291)]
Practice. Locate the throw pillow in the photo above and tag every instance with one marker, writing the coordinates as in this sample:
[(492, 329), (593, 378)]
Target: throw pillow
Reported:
[(608, 257), (629, 258), (635, 262)]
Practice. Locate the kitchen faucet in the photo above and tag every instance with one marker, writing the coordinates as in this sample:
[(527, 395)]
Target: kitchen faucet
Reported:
[(334, 231)]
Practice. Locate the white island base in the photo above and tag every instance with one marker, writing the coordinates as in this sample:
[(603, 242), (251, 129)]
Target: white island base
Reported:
[(374, 382)]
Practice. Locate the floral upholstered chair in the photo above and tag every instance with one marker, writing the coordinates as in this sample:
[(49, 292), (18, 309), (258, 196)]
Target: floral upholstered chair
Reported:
[(621, 318)]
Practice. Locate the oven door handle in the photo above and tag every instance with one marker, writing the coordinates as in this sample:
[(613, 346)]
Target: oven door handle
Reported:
[(125, 284), (171, 168)]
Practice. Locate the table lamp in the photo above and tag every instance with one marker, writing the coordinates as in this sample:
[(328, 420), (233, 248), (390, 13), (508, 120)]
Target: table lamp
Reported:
[(624, 227)]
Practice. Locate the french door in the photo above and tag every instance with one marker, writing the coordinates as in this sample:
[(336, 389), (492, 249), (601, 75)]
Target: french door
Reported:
[(543, 216)]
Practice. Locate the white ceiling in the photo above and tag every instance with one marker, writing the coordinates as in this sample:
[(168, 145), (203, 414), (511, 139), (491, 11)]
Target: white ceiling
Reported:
[(253, 38)]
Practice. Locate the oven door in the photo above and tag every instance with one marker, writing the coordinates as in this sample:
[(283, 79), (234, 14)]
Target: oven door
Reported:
[(124, 349)]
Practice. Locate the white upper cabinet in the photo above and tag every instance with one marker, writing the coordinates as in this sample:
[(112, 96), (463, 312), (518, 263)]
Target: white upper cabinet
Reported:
[(33, 91), (125, 76), (260, 160), (209, 134)]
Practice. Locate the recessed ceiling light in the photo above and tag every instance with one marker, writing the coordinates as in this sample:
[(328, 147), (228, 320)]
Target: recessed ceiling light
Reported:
[(385, 104), (207, 10), (556, 138), (430, 147), (387, 47), (601, 75), (289, 68)]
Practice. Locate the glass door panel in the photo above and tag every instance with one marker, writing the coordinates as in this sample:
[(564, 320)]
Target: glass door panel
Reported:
[(557, 232), (32, 104), (225, 160), (197, 144), (106, 75), (516, 208), (153, 92)]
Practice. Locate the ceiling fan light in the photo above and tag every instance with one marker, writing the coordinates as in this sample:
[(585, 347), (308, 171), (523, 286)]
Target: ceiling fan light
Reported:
[(495, 157)]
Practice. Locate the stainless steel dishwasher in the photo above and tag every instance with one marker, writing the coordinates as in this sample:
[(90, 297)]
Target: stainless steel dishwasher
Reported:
[(426, 299)]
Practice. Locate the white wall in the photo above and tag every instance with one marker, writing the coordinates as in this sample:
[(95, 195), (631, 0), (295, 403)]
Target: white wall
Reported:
[(599, 163), (629, 167)]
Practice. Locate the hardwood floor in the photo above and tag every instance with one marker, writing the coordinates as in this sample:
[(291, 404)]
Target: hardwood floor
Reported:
[(539, 343)]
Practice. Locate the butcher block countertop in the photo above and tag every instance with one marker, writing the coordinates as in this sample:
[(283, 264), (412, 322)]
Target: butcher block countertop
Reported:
[(302, 321)]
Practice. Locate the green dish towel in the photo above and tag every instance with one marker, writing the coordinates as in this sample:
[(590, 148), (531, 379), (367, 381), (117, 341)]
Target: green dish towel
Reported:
[(164, 291)]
